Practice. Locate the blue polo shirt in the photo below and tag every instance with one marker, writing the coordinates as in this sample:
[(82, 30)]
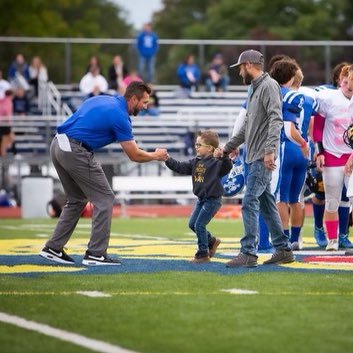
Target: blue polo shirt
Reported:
[(99, 121)]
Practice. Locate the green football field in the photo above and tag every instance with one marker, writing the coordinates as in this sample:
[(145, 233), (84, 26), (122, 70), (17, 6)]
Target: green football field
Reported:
[(156, 301)]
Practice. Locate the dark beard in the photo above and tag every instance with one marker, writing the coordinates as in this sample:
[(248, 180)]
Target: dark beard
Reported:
[(135, 112), (247, 79)]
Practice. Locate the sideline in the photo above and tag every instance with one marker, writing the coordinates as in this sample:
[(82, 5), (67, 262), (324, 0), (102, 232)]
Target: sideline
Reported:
[(92, 344)]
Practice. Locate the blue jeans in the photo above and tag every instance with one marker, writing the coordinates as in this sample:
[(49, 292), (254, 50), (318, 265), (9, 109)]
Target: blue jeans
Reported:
[(149, 64), (258, 197), (203, 212)]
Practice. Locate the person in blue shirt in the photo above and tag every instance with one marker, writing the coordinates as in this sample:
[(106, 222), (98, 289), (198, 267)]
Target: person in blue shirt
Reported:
[(295, 151), (188, 74), (147, 47), (99, 121)]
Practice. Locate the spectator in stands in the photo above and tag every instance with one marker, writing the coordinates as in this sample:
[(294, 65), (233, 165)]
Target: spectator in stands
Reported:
[(217, 75), (188, 74), (37, 73), (98, 122), (153, 105), (206, 172), (20, 102), (116, 73), (19, 73), (94, 62), (147, 47), (7, 137), (131, 77), (4, 85), (93, 83)]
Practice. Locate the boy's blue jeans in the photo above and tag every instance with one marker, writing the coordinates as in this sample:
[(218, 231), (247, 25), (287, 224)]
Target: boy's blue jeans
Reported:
[(204, 211), (258, 197)]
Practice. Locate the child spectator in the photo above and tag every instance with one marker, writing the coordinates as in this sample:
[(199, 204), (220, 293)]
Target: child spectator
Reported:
[(20, 102), (206, 172)]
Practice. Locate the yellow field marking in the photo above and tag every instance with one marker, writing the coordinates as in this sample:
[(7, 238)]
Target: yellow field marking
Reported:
[(38, 268), (140, 248)]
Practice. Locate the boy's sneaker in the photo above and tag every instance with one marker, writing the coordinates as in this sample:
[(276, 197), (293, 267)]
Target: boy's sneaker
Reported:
[(344, 242), (332, 245), (280, 257), (243, 260), (201, 258), (213, 245), (320, 237), (91, 260), (57, 256)]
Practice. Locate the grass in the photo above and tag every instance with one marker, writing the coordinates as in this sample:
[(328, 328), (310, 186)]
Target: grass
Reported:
[(177, 311)]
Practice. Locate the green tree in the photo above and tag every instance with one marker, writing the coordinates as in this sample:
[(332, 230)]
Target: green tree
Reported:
[(62, 18), (256, 19)]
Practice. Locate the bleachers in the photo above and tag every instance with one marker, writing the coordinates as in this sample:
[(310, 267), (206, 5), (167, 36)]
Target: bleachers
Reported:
[(202, 110)]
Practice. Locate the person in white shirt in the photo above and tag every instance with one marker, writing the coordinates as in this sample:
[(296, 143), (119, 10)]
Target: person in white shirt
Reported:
[(333, 153), (93, 83), (37, 73)]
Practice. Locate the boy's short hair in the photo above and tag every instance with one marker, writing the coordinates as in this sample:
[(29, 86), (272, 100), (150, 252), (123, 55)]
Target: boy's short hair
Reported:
[(283, 71), (210, 137)]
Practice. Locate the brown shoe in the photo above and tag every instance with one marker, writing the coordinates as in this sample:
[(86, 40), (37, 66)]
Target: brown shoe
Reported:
[(281, 257), (243, 260), (201, 257), (200, 260), (214, 243)]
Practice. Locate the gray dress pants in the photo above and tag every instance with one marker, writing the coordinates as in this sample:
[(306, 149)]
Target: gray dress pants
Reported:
[(83, 180)]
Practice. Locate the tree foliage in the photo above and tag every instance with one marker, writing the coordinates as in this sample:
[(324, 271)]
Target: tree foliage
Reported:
[(61, 18), (255, 19)]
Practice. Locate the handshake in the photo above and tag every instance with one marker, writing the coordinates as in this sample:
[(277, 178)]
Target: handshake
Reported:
[(161, 154)]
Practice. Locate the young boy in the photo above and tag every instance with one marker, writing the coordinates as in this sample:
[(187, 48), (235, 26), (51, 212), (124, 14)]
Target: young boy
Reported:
[(206, 171)]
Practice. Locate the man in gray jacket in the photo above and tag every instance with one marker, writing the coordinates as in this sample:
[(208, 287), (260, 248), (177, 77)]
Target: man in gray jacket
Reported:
[(261, 133)]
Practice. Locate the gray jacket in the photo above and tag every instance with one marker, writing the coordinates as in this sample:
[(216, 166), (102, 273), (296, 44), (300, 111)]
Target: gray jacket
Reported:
[(264, 121)]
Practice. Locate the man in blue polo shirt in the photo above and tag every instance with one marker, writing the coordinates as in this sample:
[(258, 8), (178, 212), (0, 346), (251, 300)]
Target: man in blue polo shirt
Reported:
[(98, 122)]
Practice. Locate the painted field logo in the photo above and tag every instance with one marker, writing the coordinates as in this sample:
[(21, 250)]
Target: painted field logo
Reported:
[(148, 254), (330, 260)]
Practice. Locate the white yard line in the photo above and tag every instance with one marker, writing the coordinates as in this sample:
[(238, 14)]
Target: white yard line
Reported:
[(239, 291), (94, 294), (79, 340)]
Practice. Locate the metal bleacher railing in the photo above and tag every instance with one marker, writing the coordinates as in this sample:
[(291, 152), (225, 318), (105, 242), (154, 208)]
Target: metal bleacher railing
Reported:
[(324, 49), (217, 110)]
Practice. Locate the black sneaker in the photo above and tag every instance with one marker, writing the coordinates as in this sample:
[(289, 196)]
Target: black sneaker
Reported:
[(57, 256), (91, 260)]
